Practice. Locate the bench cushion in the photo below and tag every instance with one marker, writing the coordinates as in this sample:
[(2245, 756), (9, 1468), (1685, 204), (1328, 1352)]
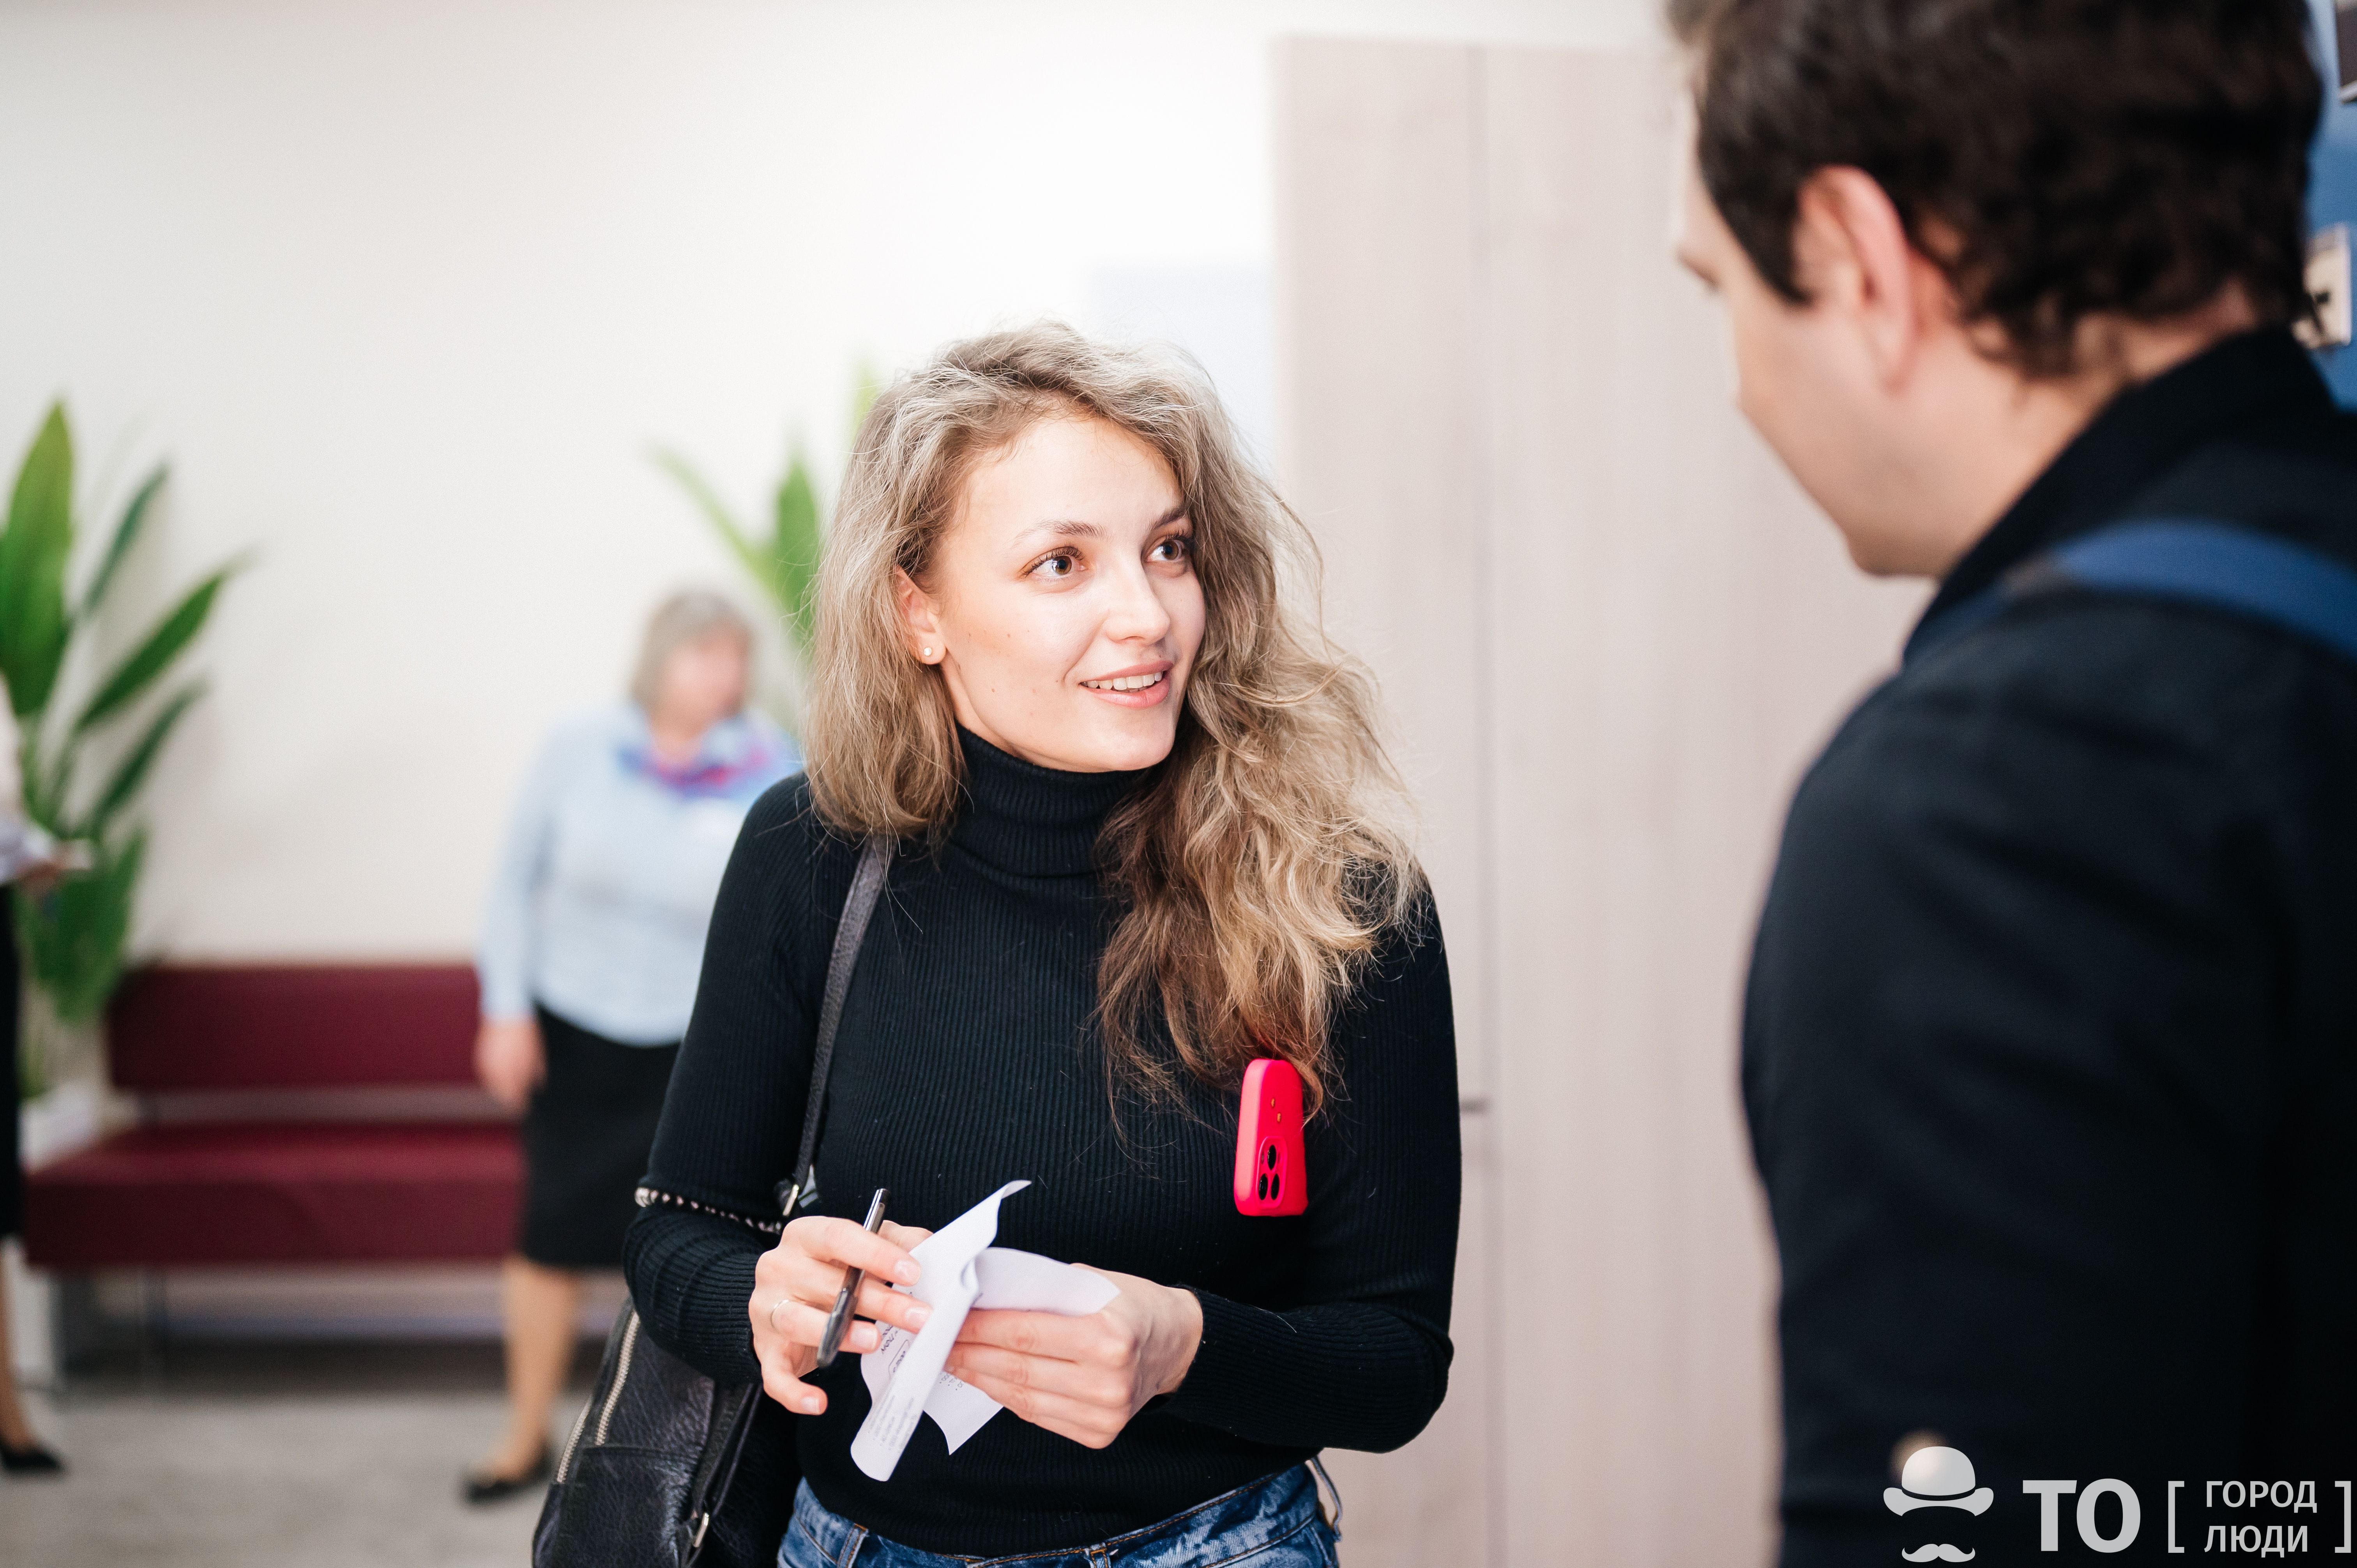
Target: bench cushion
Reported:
[(214, 1193), (179, 1028)]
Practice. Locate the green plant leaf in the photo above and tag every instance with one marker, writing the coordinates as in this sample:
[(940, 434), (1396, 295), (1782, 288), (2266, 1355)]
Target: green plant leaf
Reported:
[(716, 511), (33, 552), (45, 786), (126, 534), (75, 933), (154, 654), (794, 551), (132, 771)]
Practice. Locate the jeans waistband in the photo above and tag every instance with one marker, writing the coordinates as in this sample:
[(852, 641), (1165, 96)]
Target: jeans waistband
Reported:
[(1227, 1527)]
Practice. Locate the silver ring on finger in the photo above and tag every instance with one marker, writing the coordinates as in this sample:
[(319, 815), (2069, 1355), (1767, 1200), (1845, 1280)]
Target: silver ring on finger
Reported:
[(773, 1315)]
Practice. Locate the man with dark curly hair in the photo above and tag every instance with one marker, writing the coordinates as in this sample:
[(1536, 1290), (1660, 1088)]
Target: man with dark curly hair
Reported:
[(2051, 1042)]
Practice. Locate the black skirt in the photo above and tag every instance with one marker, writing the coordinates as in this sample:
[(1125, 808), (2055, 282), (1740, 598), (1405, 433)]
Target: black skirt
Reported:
[(586, 1134), (12, 1168)]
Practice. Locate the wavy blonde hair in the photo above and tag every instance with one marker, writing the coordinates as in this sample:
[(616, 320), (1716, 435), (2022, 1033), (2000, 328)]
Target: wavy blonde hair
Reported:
[(1266, 856)]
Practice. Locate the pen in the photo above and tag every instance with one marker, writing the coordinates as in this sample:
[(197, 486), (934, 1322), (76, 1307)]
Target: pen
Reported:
[(837, 1321)]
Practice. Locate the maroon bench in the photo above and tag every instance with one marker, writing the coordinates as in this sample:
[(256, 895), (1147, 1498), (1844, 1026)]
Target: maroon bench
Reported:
[(289, 1115)]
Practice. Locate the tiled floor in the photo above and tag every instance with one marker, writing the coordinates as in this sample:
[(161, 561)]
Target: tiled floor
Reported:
[(262, 1459)]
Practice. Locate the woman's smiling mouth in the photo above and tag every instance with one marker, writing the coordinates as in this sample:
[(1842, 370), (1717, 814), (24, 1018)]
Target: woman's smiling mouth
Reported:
[(1139, 687)]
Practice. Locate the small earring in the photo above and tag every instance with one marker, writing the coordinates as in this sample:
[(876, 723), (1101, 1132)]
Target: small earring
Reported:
[(926, 651)]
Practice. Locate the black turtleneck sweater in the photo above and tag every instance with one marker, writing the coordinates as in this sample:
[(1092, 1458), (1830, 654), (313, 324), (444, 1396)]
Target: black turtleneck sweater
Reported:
[(967, 1057)]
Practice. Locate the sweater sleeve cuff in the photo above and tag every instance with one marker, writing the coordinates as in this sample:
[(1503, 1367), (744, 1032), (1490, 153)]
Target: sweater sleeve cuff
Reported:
[(716, 1336), (1228, 1378)]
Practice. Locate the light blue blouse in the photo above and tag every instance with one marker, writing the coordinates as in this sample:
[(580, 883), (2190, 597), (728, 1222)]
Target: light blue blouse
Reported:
[(605, 884), (22, 845)]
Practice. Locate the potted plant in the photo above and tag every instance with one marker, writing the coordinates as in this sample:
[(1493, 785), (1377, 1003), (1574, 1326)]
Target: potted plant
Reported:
[(74, 934)]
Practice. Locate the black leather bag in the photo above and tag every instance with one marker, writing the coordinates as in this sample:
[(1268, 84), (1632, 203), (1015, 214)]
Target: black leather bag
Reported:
[(644, 1480)]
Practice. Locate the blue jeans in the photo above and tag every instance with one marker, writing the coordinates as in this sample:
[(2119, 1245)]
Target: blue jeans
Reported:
[(1275, 1522)]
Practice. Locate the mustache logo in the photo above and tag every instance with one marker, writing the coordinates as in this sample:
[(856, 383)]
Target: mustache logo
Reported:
[(1937, 1476)]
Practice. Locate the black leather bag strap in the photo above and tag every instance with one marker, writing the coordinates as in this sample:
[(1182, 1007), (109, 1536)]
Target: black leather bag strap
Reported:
[(867, 886)]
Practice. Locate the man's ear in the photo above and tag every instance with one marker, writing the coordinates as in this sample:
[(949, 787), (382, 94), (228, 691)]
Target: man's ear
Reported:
[(1851, 253), (918, 618)]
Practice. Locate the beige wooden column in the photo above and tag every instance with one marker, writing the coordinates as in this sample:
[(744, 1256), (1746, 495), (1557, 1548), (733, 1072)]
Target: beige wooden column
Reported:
[(1611, 630), (1380, 397)]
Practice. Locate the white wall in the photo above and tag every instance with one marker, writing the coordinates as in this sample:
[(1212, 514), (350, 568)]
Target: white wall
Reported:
[(406, 290)]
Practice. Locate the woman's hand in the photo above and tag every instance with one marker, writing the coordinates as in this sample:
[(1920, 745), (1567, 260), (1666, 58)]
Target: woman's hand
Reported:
[(1083, 1377), (794, 1288), (508, 1059)]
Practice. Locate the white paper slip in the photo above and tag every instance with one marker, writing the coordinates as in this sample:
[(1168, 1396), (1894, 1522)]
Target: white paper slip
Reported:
[(1010, 1281), (963, 1271), (909, 1368)]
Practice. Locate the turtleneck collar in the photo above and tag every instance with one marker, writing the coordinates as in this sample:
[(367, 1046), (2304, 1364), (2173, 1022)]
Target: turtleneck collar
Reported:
[(1030, 821)]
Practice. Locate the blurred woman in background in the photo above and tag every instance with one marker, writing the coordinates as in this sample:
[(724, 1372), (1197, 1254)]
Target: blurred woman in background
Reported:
[(590, 949), (30, 856)]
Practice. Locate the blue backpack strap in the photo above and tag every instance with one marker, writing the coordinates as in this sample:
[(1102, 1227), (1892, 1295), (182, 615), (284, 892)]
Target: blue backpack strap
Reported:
[(2240, 570)]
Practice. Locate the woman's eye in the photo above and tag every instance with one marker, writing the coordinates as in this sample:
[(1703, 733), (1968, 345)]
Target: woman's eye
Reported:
[(1172, 549), (1056, 566)]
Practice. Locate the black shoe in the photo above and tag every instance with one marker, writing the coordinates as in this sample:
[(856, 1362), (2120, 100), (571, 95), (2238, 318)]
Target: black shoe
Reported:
[(32, 1460), (482, 1488)]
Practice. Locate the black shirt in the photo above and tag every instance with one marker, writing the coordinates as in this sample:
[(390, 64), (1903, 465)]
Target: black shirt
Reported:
[(2051, 1045), (966, 1058)]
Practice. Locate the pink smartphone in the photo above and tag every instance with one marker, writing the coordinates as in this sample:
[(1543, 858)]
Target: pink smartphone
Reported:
[(1272, 1173)]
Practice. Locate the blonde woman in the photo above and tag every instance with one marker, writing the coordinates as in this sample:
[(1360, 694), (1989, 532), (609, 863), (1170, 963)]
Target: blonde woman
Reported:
[(591, 940), (1144, 829)]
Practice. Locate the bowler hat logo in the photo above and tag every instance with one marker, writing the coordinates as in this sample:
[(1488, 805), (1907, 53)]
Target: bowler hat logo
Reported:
[(1937, 1479)]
